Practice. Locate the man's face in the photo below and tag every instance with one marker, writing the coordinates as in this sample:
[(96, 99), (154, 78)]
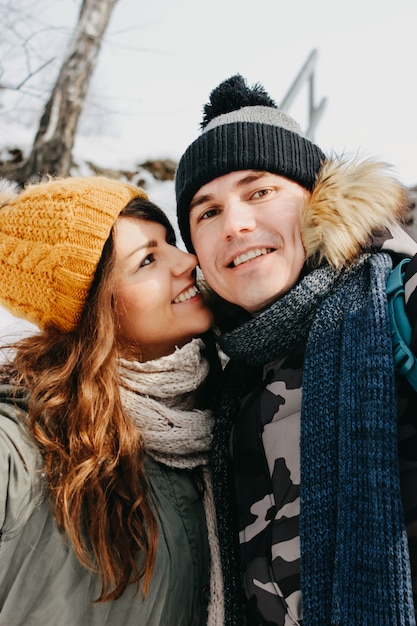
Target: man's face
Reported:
[(245, 229)]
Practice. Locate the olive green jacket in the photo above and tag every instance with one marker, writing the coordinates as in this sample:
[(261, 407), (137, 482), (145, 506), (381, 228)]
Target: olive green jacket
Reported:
[(41, 581)]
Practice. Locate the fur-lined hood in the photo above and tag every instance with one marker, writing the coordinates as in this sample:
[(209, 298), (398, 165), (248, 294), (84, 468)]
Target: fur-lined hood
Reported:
[(351, 200)]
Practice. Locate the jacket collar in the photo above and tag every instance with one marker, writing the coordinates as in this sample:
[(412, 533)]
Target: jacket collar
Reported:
[(351, 200)]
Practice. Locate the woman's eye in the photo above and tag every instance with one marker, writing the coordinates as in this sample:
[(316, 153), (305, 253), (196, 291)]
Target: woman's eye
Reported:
[(147, 260)]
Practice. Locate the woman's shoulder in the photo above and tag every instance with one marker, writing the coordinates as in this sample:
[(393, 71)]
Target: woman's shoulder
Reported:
[(8, 374), (13, 397), (20, 461)]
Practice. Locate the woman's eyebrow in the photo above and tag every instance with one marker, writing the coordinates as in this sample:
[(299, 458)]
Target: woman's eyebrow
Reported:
[(148, 244)]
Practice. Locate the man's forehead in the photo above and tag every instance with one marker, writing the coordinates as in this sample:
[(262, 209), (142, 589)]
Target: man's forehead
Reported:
[(236, 179)]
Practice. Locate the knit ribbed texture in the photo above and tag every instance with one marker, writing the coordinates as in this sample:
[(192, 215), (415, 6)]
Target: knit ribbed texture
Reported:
[(159, 395), (237, 379), (354, 556), (239, 144), (355, 563), (51, 239)]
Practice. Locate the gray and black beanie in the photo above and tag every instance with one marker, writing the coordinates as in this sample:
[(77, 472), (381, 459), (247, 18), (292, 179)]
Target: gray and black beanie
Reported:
[(242, 129)]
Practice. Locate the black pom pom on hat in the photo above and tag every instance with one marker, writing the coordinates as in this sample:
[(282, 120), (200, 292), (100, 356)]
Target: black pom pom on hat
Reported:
[(242, 128), (234, 94)]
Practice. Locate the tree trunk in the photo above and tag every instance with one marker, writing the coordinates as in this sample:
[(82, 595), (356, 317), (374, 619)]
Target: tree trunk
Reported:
[(52, 148)]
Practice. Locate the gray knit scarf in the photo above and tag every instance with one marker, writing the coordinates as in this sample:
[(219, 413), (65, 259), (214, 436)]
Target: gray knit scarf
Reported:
[(159, 395), (354, 556)]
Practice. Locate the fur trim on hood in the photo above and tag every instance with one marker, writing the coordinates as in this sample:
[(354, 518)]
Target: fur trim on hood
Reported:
[(350, 200)]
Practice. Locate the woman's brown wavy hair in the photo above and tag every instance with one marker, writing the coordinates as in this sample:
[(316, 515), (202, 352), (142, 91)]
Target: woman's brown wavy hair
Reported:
[(92, 451)]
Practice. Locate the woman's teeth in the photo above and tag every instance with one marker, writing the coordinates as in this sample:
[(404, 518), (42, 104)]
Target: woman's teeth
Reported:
[(186, 295)]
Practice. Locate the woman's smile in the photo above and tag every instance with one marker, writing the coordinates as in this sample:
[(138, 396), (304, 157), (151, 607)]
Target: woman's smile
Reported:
[(153, 279)]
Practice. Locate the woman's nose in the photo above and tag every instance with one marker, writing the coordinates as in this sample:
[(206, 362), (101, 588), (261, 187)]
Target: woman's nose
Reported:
[(184, 262)]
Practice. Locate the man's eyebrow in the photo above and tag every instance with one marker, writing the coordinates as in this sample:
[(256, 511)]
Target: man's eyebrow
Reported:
[(249, 178), (245, 180), (200, 200)]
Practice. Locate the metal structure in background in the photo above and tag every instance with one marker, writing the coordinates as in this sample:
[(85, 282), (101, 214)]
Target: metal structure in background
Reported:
[(315, 112)]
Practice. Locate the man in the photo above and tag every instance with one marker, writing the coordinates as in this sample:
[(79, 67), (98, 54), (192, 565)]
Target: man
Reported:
[(306, 453)]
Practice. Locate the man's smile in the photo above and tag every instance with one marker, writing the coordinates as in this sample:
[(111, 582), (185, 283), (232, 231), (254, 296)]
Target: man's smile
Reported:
[(248, 256)]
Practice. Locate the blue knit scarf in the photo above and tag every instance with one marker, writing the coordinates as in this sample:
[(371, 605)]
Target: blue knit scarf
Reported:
[(354, 556)]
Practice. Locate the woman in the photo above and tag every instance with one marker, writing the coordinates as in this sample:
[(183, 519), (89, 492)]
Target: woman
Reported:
[(106, 511)]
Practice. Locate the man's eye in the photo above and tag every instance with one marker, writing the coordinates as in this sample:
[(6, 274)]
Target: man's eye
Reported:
[(207, 214), (261, 193), (147, 260)]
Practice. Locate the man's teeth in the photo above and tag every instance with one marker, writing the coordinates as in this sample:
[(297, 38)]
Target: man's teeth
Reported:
[(247, 256), (186, 295)]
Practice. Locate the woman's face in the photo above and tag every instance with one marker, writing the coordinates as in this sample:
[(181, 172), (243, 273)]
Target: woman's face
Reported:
[(157, 304)]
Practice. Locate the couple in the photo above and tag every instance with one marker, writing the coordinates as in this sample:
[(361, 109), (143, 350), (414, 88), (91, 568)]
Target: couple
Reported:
[(140, 484)]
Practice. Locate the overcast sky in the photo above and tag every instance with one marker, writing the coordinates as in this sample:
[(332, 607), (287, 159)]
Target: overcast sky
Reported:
[(162, 58), (161, 71)]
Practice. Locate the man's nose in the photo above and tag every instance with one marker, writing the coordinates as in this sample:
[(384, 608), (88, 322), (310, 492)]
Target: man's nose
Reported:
[(239, 218)]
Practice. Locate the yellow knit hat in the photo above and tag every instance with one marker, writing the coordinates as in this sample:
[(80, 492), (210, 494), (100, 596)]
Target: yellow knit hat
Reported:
[(51, 239)]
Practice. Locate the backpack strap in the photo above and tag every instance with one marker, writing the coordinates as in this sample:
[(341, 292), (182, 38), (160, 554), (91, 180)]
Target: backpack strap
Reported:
[(405, 361)]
